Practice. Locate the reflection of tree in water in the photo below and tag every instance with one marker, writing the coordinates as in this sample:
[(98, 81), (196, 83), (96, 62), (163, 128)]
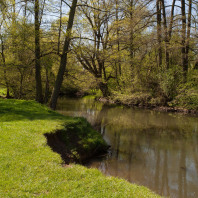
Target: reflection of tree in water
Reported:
[(182, 184), (165, 187), (162, 184), (195, 155), (157, 170), (130, 155), (101, 120), (117, 143), (137, 146)]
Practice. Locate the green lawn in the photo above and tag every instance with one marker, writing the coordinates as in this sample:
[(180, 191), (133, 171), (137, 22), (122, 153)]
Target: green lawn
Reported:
[(29, 168)]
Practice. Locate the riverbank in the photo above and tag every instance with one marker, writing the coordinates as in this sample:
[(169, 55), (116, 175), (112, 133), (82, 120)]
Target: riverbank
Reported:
[(189, 105), (29, 167)]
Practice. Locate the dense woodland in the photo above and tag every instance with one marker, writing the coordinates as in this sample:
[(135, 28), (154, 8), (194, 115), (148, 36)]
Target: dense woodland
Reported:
[(142, 52)]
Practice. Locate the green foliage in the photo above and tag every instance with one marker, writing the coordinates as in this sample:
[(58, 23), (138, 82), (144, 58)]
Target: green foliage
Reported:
[(136, 99), (188, 100), (3, 92), (169, 81), (98, 93), (77, 80), (188, 93), (29, 168), (123, 52), (94, 92)]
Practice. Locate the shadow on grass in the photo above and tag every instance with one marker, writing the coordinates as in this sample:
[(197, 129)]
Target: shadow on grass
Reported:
[(54, 140), (12, 110)]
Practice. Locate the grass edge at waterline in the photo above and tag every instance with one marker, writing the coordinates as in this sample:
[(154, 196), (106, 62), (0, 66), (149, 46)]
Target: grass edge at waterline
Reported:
[(29, 168)]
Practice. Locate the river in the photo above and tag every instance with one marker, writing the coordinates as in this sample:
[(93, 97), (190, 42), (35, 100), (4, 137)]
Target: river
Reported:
[(156, 149)]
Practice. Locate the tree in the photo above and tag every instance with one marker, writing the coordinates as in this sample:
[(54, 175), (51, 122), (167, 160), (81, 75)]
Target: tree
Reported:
[(185, 36), (3, 11), (63, 62), (159, 32), (93, 54), (39, 93)]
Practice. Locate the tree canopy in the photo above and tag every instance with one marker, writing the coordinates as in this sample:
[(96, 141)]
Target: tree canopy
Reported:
[(120, 47)]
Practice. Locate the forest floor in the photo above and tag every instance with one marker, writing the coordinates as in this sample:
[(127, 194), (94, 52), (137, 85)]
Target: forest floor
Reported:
[(30, 168)]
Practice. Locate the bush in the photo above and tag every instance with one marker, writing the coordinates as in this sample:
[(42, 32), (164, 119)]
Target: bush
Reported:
[(188, 93), (169, 82)]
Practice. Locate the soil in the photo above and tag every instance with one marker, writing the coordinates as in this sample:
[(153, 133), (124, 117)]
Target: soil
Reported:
[(57, 144)]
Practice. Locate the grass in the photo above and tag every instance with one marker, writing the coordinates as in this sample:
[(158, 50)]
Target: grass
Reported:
[(29, 168)]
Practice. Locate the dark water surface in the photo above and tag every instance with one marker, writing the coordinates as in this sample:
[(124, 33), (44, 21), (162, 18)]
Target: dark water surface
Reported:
[(155, 149)]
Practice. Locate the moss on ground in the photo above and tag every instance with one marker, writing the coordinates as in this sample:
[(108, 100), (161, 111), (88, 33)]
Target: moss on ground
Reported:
[(29, 168)]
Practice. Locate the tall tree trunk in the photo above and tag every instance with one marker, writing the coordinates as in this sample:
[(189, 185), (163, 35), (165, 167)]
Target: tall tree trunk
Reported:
[(188, 39), (166, 35), (104, 89), (131, 34), (171, 21), (60, 27), (3, 57), (39, 93), (159, 32), (183, 48), (118, 41), (21, 84), (4, 68), (14, 26), (46, 98), (168, 32), (63, 62)]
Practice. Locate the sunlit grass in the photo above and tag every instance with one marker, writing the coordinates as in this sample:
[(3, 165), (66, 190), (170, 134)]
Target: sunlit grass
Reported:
[(29, 168)]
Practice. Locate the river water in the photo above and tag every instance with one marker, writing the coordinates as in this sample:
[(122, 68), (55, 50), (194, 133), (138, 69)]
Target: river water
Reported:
[(155, 149)]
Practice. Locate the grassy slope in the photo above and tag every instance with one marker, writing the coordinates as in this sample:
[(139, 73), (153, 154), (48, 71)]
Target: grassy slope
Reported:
[(29, 168)]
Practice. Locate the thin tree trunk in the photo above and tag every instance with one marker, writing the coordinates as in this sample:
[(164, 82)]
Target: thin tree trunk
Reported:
[(131, 34), (159, 32), (46, 86), (21, 84), (4, 69), (39, 94), (25, 9), (188, 39), (118, 42), (63, 62), (171, 21), (183, 48), (60, 27), (4, 59), (166, 35), (14, 26)]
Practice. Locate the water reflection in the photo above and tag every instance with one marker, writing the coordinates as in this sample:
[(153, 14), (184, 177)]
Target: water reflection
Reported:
[(158, 150)]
